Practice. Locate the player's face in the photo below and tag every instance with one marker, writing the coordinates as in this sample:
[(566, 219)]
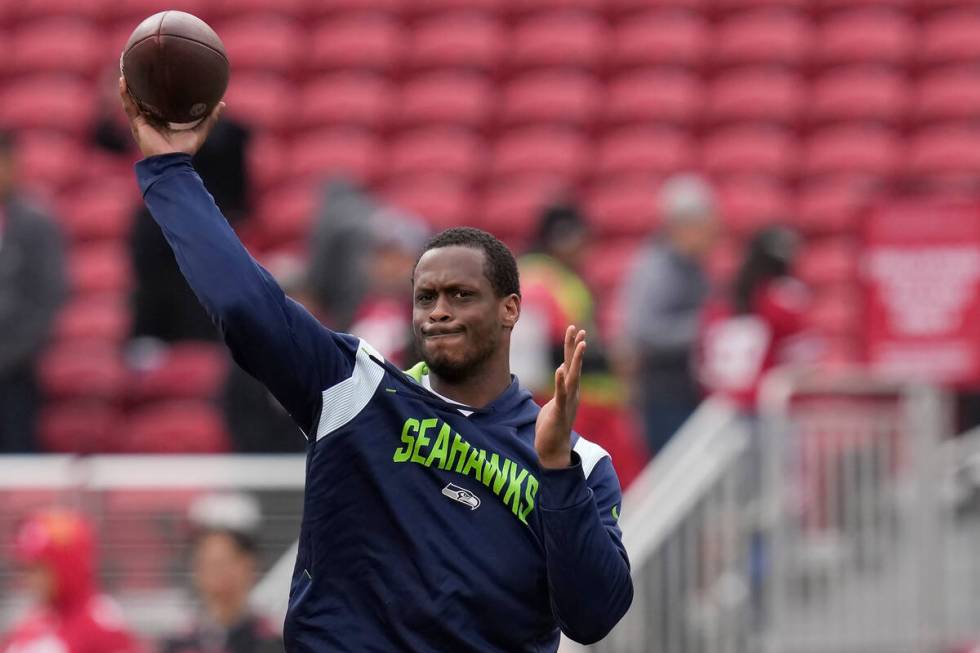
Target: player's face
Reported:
[(458, 320)]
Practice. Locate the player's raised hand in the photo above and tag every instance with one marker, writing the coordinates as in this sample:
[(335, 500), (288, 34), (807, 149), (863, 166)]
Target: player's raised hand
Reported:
[(154, 139), (553, 431)]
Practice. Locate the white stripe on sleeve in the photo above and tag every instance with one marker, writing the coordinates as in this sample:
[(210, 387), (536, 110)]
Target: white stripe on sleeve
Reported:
[(344, 401), (590, 453)]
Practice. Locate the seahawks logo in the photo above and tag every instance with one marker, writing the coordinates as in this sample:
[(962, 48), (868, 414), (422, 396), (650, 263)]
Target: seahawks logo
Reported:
[(461, 495)]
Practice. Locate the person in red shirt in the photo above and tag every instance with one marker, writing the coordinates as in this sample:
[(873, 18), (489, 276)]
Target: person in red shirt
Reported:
[(56, 549), (759, 324)]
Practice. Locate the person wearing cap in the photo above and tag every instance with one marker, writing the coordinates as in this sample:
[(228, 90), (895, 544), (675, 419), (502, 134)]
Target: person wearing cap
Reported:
[(57, 551), (662, 301), (224, 563)]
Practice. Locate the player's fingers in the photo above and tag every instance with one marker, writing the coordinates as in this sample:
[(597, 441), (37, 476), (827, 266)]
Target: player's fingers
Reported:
[(561, 393), (569, 344), (575, 369), (132, 111), (208, 123)]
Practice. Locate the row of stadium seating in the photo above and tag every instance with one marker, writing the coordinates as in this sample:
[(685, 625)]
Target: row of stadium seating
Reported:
[(282, 44), (473, 101)]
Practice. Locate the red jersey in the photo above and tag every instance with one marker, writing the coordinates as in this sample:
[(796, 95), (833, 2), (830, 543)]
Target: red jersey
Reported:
[(737, 350), (94, 627), (75, 619)]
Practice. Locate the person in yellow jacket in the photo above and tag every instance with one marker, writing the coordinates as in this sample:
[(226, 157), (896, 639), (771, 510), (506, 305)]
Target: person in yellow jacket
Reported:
[(555, 295)]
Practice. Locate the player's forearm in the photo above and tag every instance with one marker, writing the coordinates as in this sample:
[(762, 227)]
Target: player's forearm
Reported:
[(588, 573), (216, 265)]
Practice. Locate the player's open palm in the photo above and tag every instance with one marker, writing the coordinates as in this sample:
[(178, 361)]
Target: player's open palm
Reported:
[(154, 139), (553, 431)]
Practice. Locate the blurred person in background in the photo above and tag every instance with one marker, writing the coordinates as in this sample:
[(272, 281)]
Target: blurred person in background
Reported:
[(554, 294), (32, 289), (224, 562), (165, 309), (759, 324), (256, 421), (662, 301), (384, 316), (340, 251), (57, 551)]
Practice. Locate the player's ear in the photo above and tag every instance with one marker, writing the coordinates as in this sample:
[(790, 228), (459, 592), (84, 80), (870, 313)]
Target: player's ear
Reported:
[(510, 311)]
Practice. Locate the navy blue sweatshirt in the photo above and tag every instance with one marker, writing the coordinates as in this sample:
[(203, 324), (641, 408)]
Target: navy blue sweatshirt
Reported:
[(425, 529)]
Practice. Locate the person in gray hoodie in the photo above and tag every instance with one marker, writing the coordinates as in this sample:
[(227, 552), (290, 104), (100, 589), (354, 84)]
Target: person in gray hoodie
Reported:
[(32, 289), (662, 302)]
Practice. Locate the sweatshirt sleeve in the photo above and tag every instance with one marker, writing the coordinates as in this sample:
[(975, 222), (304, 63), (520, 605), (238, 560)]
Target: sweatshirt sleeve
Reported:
[(588, 569), (270, 336)]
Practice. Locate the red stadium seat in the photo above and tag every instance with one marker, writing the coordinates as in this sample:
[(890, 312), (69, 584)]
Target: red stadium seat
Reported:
[(560, 39), (29, 10), (103, 319), (188, 370), (952, 37), (524, 7), (262, 100), (441, 202), (829, 260), (432, 7), (758, 95), (356, 42), (750, 204), (671, 96), (466, 40), (224, 9), (853, 151), (447, 98), (660, 38), (563, 97), (272, 43), (340, 8), (643, 153), (345, 99), (743, 5), (949, 94), (831, 206), (860, 93), (82, 370), (626, 8), (510, 209), (266, 161), (57, 45), (608, 265), (349, 153), (175, 427), (540, 152), (834, 5), (442, 152), (946, 154), (619, 209), (100, 268), (866, 36), (744, 151), (99, 212), (131, 12), (762, 37), (837, 310), (285, 215), (78, 426), (49, 161), (58, 102)]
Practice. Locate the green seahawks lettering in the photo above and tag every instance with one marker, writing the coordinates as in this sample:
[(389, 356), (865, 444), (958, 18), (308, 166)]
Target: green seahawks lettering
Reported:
[(431, 442)]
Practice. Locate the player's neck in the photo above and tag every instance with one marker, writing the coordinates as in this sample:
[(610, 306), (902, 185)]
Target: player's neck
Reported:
[(479, 389)]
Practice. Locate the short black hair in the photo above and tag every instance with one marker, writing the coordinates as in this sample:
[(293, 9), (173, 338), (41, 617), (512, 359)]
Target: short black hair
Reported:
[(500, 266)]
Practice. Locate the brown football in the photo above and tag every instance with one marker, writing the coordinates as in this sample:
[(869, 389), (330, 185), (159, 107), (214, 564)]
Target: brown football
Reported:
[(176, 68)]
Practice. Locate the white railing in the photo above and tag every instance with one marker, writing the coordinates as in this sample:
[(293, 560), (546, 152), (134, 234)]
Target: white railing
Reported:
[(845, 519), (139, 505)]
